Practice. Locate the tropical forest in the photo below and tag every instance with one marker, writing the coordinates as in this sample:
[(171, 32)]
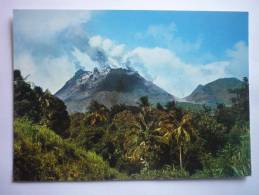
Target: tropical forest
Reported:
[(128, 142)]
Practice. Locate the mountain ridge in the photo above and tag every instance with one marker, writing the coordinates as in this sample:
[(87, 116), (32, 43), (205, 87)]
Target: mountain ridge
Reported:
[(214, 92), (109, 87)]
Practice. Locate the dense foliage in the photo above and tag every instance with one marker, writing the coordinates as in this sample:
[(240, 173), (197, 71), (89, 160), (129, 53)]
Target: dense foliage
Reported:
[(128, 142), (41, 107), (42, 155)]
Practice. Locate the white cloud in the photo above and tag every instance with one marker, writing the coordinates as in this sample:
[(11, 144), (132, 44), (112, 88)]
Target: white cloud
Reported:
[(58, 71), (107, 44), (162, 31), (38, 24), (113, 62), (25, 62), (117, 51), (95, 41), (172, 74), (166, 36), (50, 73), (161, 65), (238, 58), (166, 69), (48, 69), (84, 59), (113, 51)]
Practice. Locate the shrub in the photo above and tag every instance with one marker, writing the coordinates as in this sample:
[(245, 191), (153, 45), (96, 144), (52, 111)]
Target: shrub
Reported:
[(42, 155), (167, 172), (233, 160)]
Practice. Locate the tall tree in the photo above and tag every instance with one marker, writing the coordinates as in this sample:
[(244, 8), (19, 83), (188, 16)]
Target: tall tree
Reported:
[(97, 115), (170, 128), (25, 100), (241, 100), (182, 134), (39, 106), (55, 115), (144, 101)]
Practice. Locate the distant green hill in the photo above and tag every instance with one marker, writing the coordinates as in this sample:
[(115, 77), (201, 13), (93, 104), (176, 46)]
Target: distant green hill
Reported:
[(189, 106), (214, 92)]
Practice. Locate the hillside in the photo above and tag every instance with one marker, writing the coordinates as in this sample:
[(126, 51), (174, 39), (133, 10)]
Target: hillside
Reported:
[(214, 92), (109, 87)]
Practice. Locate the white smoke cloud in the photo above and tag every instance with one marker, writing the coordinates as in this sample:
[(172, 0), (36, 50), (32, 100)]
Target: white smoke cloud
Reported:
[(172, 74), (161, 65), (113, 51), (41, 24), (166, 69), (238, 59), (50, 73), (166, 35), (95, 41), (84, 59)]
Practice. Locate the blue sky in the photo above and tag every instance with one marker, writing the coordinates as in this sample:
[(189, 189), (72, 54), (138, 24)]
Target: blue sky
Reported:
[(177, 50), (216, 30)]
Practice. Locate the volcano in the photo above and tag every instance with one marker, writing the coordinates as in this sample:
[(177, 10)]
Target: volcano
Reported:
[(109, 87)]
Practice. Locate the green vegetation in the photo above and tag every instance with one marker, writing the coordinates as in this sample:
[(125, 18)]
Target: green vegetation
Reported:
[(128, 142), (41, 107), (42, 155), (189, 106)]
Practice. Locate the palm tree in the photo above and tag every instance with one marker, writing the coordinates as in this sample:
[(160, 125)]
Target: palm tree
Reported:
[(183, 134), (96, 107), (95, 118), (97, 114), (138, 130), (144, 102), (147, 125), (169, 128)]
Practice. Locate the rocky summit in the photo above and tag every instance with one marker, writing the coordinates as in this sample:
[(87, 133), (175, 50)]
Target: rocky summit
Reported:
[(109, 87)]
